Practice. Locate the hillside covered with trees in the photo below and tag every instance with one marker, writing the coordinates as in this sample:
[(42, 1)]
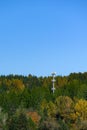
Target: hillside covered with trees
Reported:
[(27, 102)]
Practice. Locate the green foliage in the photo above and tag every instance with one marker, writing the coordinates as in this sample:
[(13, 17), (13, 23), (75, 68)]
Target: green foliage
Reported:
[(17, 122), (72, 88), (31, 124), (61, 81), (64, 109), (82, 92), (3, 118), (10, 102), (63, 125)]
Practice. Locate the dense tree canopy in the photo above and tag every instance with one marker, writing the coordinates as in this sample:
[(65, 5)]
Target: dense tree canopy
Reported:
[(65, 109)]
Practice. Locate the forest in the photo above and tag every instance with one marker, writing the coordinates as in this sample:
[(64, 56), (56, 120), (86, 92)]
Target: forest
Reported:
[(27, 102)]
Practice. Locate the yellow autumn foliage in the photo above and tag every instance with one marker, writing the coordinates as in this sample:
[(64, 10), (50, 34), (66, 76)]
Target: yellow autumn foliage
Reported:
[(51, 109), (44, 105), (18, 84), (81, 109)]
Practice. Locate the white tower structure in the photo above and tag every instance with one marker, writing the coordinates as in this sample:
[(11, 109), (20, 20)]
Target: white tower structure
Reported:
[(53, 81)]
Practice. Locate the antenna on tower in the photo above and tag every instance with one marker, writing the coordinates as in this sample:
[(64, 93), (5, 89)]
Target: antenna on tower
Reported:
[(53, 81)]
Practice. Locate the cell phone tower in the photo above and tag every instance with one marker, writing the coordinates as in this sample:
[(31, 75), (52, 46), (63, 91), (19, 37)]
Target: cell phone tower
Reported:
[(53, 81)]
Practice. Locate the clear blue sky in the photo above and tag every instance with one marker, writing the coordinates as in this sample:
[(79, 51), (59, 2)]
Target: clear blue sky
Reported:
[(41, 36)]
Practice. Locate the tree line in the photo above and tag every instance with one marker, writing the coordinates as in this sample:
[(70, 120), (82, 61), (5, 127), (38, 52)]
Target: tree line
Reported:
[(27, 102)]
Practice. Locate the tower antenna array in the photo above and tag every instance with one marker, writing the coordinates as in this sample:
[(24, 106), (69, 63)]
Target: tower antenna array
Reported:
[(53, 81)]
